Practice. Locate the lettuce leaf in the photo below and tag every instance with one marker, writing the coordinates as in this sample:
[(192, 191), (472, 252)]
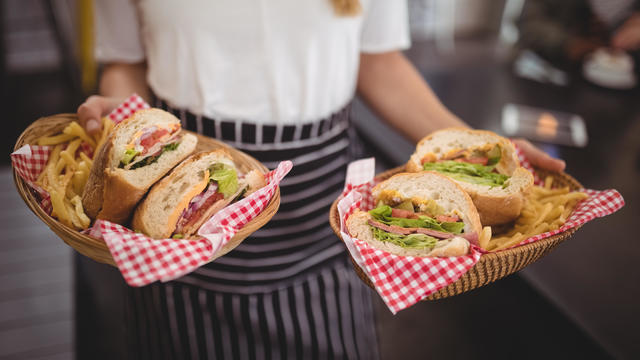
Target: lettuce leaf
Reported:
[(129, 154), (383, 215), (471, 173), (226, 177), (412, 241)]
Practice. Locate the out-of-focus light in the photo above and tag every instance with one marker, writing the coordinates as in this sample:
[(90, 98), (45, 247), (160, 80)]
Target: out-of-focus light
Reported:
[(547, 125)]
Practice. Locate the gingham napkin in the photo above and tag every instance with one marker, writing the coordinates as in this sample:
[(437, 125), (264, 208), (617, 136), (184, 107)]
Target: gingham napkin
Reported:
[(402, 281), (143, 260)]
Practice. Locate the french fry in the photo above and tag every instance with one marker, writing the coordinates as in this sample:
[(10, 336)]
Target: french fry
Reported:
[(75, 129), (548, 182), (485, 237), (67, 171), (546, 209), (107, 126), (57, 202), (78, 181), (53, 158), (55, 140), (86, 158), (84, 220)]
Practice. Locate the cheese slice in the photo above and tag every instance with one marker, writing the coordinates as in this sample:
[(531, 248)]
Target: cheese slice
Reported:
[(175, 215)]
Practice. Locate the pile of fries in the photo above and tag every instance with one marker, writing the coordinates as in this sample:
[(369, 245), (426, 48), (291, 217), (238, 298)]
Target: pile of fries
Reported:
[(546, 209), (67, 170)]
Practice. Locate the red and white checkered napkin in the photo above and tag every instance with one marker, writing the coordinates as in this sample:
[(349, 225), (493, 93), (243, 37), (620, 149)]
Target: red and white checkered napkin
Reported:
[(143, 260), (402, 281), (29, 161), (127, 108)]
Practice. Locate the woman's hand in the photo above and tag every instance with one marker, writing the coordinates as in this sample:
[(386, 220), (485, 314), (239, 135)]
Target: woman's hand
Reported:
[(538, 157), (93, 109), (627, 37)]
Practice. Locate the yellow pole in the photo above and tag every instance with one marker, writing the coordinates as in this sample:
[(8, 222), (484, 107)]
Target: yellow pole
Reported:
[(85, 45)]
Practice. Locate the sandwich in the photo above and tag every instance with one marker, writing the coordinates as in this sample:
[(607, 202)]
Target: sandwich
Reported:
[(484, 164), (418, 214), (138, 153), (203, 184)]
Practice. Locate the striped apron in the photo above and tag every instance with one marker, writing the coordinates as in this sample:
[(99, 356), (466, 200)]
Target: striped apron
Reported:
[(288, 291)]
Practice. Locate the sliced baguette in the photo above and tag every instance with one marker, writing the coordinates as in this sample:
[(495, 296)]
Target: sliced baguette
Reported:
[(158, 214), (417, 186), (111, 193), (496, 205)]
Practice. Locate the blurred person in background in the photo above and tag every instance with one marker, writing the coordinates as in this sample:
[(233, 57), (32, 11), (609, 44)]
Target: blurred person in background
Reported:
[(274, 79), (565, 32)]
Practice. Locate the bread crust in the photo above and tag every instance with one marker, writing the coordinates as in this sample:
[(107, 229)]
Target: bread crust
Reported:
[(493, 208), (359, 228), (94, 188), (501, 209), (119, 197)]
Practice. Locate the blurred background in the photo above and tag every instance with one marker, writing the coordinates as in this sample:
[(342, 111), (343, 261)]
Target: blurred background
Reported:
[(544, 70)]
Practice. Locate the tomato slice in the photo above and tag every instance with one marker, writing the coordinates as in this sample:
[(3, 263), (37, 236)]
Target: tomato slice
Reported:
[(148, 140), (445, 218), (475, 160)]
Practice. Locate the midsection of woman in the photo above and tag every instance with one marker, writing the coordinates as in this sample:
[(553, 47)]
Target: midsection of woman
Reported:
[(273, 78)]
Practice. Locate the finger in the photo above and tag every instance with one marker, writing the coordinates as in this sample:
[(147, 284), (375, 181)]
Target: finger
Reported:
[(89, 113), (539, 158), (92, 110)]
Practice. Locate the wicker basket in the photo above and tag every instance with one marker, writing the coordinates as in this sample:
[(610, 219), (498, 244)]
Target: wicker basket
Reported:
[(492, 266), (97, 249)]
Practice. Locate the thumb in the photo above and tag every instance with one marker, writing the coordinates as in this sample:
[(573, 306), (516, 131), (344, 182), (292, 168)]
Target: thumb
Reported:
[(92, 110)]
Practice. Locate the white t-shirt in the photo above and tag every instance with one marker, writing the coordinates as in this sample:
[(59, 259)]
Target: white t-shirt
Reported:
[(265, 61)]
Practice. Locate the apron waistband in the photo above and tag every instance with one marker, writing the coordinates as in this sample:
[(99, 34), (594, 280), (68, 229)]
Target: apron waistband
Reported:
[(267, 135)]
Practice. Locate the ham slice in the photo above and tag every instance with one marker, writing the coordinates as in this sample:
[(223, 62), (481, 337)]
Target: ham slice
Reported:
[(390, 228), (435, 233), (472, 237)]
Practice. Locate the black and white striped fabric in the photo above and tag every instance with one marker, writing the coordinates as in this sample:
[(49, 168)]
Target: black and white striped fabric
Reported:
[(285, 292)]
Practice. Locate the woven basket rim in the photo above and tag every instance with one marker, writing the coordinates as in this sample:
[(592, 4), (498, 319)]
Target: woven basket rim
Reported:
[(486, 258), (97, 248)]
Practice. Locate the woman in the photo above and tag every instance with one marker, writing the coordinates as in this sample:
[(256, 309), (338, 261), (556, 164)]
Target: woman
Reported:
[(274, 79)]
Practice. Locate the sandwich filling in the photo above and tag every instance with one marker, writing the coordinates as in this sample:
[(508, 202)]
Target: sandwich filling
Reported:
[(405, 225), (221, 190), (148, 144), (477, 166)]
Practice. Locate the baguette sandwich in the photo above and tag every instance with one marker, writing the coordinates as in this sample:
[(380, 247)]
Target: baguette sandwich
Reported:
[(191, 194), (484, 164), (138, 153), (418, 214)]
